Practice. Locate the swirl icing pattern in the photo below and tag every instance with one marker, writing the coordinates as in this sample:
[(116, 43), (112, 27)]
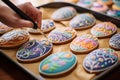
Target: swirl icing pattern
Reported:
[(81, 21), (14, 38), (33, 50), (84, 43), (104, 29), (61, 35), (64, 13), (57, 63), (100, 60), (47, 25), (115, 41)]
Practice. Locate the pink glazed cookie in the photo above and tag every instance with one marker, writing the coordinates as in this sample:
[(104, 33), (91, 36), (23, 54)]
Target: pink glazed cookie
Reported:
[(84, 44), (104, 29)]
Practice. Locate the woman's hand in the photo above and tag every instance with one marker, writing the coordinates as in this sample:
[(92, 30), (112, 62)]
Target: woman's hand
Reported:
[(10, 18)]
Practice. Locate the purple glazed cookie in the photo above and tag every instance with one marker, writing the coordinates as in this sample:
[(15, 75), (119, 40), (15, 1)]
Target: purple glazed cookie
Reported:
[(100, 60), (115, 41), (82, 21), (34, 50), (62, 35), (104, 29), (64, 13), (47, 26)]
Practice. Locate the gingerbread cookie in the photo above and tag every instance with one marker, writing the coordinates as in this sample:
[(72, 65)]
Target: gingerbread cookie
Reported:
[(62, 35), (82, 21), (47, 26), (34, 50), (104, 29), (84, 44), (13, 38), (64, 13), (99, 7), (115, 41), (57, 64), (100, 60), (4, 28)]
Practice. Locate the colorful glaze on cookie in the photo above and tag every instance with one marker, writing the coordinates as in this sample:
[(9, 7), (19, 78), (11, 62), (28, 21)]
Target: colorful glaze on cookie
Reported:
[(104, 29), (64, 13), (13, 38), (84, 43), (99, 7), (106, 2), (61, 35), (115, 41), (4, 28), (47, 25), (34, 50), (82, 21), (57, 63), (100, 60), (85, 3), (114, 13)]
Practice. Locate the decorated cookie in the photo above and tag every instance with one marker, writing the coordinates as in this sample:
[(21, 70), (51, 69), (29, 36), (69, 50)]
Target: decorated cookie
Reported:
[(47, 25), (34, 50), (100, 60), (85, 3), (64, 13), (13, 38), (114, 13), (104, 29), (4, 28), (82, 21), (84, 43), (115, 41), (71, 1), (106, 2), (62, 35), (57, 63), (99, 7)]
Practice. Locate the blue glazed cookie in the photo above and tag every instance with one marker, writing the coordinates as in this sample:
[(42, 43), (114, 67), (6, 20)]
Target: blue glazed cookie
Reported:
[(85, 3), (115, 41), (57, 63), (47, 26), (64, 13), (82, 21), (34, 50), (100, 60), (14, 38), (62, 35)]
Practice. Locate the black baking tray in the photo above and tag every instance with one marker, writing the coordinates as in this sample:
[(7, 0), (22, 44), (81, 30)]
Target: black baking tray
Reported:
[(111, 74), (15, 70)]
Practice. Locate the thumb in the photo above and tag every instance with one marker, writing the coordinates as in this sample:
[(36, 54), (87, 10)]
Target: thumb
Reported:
[(25, 23)]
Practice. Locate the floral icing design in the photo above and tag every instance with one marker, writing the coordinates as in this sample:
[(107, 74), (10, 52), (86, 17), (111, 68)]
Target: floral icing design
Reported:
[(13, 37), (103, 29), (64, 13), (115, 41), (61, 35), (57, 63), (82, 21), (34, 49), (100, 60), (84, 43)]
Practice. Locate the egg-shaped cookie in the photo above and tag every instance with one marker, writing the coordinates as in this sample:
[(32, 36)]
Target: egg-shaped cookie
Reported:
[(100, 60), (114, 41), (14, 38), (57, 64), (104, 29), (34, 50), (62, 35), (46, 26), (64, 13), (4, 28), (84, 44), (82, 21)]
